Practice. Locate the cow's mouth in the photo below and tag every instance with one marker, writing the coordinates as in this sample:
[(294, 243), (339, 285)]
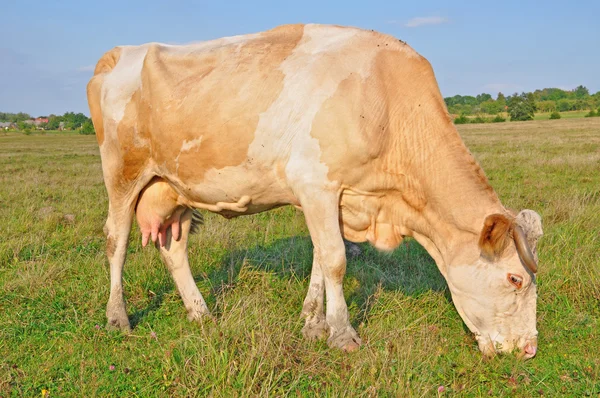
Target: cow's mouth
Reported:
[(489, 348)]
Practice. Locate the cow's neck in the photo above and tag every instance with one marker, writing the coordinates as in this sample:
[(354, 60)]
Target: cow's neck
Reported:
[(447, 194)]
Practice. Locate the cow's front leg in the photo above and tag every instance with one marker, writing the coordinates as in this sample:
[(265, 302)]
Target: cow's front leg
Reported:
[(315, 327), (321, 209), (174, 254)]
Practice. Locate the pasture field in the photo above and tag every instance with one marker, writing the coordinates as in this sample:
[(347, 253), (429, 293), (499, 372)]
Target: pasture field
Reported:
[(538, 116), (253, 272), (563, 115)]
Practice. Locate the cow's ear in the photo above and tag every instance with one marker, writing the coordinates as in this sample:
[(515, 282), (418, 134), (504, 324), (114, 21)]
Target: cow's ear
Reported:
[(495, 236)]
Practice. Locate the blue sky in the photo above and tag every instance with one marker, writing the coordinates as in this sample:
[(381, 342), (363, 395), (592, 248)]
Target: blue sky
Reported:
[(48, 48)]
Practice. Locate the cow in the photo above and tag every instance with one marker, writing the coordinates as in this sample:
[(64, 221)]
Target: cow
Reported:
[(347, 125)]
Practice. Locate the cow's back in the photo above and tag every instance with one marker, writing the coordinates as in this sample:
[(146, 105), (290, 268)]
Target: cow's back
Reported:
[(278, 106)]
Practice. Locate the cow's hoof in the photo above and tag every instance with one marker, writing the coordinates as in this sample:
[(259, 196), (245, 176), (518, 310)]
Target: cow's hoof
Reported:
[(201, 317), (200, 314), (118, 323), (345, 339), (315, 328)]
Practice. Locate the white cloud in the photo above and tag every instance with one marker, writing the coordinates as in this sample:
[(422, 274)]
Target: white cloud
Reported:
[(420, 21), (86, 68)]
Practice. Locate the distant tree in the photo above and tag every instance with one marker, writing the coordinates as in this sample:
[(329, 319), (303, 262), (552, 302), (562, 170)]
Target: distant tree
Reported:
[(565, 105), (462, 119), (582, 104), (595, 99), (491, 107), (546, 106), (554, 115), (87, 128), (552, 94), (591, 113), (483, 97), (450, 101), (53, 122), (79, 119), (73, 120), (24, 127), (21, 117), (14, 117), (498, 119), (521, 107), (581, 92), (478, 119), (470, 100)]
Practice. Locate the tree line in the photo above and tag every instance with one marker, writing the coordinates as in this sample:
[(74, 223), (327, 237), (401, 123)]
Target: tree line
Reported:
[(518, 106), (523, 106), (68, 121)]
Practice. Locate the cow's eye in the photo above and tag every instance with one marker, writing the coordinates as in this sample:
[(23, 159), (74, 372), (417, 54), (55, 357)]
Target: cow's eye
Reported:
[(515, 280)]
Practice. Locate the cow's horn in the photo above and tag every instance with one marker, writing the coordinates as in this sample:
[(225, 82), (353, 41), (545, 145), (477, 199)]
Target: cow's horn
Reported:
[(523, 249)]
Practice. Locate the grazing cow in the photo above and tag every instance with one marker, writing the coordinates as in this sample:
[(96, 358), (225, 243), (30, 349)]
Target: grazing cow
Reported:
[(346, 124)]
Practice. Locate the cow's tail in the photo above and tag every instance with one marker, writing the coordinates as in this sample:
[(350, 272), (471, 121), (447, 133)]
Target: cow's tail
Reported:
[(197, 221), (108, 61), (94, 90)]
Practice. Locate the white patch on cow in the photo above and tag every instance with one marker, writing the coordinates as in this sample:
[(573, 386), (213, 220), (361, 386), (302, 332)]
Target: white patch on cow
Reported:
[(318, 39), (187, 146), (207, 46), (490, 307), (122, 82), (310, 79)]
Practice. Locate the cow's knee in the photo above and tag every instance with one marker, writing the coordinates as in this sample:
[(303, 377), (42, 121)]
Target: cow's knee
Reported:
[(334, 266)]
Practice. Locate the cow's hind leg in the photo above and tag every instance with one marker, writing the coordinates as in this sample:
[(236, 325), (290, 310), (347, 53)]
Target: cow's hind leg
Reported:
[(174, 254), (315, 326), (321, 209), (117, 229)]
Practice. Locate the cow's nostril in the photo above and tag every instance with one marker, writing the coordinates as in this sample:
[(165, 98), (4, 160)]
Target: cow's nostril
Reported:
[(530, 349)]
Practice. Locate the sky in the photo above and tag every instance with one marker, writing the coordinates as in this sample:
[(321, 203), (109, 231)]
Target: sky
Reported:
[(48, 49)]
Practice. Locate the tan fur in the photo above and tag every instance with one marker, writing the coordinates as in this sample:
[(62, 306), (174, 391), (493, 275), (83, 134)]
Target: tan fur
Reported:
[(191, 106), (110, 246), (347, 124), (105, 64), (108, 61), (132, 133), (399, 132), (495, 236)]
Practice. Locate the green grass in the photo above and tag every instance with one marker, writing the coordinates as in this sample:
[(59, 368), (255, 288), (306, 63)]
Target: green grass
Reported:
[(537, 116), (563, 115), (254, 272)]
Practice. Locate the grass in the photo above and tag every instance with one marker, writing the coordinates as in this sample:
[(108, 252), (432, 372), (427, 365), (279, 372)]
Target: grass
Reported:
[(537, 116), (563, 115), (254, 272)]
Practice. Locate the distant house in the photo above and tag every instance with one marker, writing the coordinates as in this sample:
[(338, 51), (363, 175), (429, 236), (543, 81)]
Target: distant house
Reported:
[(6, 125), (37, 122)]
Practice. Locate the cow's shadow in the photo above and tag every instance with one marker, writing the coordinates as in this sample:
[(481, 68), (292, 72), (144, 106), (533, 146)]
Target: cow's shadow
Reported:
[(409, 269)]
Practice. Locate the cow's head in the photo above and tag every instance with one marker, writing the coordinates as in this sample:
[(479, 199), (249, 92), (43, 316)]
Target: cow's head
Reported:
[(496, 296)]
